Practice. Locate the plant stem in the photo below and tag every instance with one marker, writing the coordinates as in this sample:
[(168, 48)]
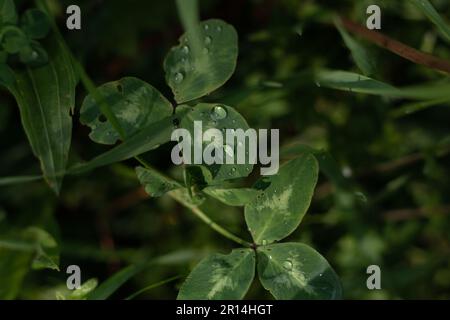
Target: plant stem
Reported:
[(152, 286), (397, 47), (202, 216)]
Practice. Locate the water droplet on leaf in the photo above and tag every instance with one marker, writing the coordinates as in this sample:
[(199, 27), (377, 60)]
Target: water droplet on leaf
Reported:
[(185, 49), (218, 113), (287, 265), (179, 77)]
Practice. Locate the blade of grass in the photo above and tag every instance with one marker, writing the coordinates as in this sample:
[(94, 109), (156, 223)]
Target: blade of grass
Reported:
[(153, 286)]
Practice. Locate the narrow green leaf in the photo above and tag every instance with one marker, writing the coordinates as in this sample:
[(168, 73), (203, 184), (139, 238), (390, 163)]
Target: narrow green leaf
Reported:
[(107, 288), (45, 96), (283, 201), (7, 181), (189, 15), (220, 117), (427, 8), (152, 286), (353, 82), (203, 61), (7, 76), (412, 108), (8, 14), (135, 104), (145, 140), (155, 183), (232, 196), (14, 266), (296, 271), (220, 277), (362, 57)]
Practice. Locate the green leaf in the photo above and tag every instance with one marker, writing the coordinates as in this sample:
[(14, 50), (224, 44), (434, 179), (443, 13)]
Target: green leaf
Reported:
[(147, 139), (203, 61), (155, 183), (285, 197), (45, 96), (427, 8), (152, 286), (7, 181), (84, 290), (7, 77), (107, 288), (221, 117), (47, 251), (296, 271), (220, 277), (8, 14), (21, 250), (232, 196), (35, 24), (14, 265), (362, 57), (14, 40), (353, 82), (135, 104)]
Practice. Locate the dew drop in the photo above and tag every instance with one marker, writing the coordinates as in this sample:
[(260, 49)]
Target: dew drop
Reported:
[(218, 113), (185, 49), (287, 265), (205, 50), (219, 29), (179, 77), (208, 40), (206, 27), (233, 170), (318, 84), (264, 243)]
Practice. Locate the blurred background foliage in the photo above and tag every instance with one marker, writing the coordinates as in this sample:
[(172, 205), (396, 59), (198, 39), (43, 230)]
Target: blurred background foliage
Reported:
[(390, 207)]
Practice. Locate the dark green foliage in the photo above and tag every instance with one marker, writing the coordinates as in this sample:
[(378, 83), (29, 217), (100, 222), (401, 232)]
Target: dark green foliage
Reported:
[(364, 141)]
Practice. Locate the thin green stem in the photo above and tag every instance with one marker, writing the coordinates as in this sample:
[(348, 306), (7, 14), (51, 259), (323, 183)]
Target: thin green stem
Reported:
[(206, 219), (152, 286)]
